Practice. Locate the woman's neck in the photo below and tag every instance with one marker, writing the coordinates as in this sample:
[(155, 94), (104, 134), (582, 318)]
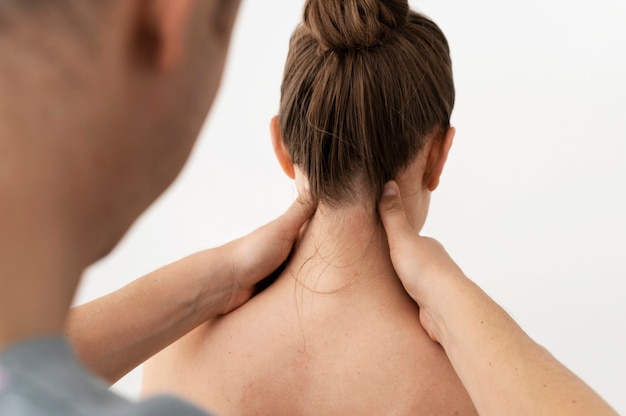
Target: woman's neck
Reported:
[(342, 251)]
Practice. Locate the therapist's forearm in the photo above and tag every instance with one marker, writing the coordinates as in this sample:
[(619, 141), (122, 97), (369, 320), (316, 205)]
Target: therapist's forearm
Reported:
[(115, 333), (503, 369)]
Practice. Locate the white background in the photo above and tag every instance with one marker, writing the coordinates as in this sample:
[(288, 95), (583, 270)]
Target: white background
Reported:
[(532, 204)]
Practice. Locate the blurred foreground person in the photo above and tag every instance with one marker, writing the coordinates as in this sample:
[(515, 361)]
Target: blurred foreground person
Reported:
[(100, 105)]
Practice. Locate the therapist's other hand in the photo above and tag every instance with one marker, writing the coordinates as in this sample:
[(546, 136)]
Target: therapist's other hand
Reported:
[(422, 263), (255, 256), (484, 344)]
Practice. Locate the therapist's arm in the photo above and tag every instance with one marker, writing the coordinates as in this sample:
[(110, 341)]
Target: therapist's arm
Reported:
[(504, 371), (115, 333)]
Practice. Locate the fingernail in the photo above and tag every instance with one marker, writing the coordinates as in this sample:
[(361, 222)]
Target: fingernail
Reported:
[(390, 190)]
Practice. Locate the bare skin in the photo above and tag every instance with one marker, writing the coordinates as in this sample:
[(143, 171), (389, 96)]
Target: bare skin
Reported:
[(335, 334)]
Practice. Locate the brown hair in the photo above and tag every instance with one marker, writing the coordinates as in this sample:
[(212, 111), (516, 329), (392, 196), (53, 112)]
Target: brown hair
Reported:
[(366, 83)]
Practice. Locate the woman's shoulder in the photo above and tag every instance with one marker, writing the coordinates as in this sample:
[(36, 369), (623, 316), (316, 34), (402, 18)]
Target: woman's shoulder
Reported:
[(291, 350)]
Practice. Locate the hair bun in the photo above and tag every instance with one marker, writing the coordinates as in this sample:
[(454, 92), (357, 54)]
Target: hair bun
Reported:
[(354, 24)]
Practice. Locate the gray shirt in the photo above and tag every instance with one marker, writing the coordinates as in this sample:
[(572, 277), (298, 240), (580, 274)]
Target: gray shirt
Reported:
[(43, 377)]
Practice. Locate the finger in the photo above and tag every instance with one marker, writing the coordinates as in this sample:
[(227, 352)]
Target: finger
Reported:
[(392, 213), (296, 216)]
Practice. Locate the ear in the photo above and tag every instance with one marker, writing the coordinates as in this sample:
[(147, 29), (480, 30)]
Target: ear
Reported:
[(437, 156), (163, 29), (282, 154)]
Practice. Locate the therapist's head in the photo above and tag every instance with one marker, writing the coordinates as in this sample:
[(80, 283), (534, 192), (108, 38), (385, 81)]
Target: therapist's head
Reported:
[(367, 96), (106, 98)]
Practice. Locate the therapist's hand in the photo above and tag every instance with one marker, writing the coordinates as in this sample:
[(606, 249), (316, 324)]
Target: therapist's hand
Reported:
[(255, 256), (504, 371), (422, 264)]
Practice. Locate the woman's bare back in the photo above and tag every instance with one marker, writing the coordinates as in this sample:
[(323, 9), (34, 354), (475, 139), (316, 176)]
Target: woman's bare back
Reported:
[(291, 351)]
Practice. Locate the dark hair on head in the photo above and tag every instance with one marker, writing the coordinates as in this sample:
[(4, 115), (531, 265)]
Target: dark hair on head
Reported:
[(366, 83)]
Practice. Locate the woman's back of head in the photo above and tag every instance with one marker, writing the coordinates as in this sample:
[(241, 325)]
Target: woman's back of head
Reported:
[(366, 83)]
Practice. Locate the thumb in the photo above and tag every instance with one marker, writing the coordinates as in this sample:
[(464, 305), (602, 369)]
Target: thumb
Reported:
[(292, 220), (392, 213)]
